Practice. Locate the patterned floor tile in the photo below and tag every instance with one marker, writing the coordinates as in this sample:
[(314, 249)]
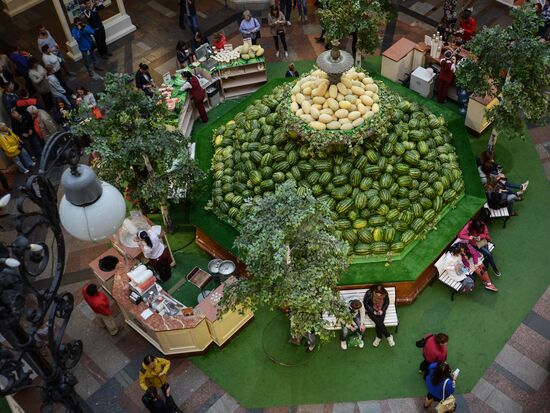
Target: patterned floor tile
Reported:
[(495, 398)]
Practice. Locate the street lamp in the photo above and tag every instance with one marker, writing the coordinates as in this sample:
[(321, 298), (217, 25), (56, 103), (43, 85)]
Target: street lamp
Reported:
[(90, 210)]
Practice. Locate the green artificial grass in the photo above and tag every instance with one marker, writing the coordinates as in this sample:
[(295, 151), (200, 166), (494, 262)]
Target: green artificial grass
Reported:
[(478, 324), (363, 270)]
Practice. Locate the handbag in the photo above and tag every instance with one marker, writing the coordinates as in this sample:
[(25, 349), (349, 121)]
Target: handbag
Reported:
[(482, 243), (446, 404), (97, 113), (422, 342), (258, 34)]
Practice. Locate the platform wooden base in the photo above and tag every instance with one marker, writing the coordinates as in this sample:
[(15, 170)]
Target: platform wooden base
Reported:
[(406, 292)]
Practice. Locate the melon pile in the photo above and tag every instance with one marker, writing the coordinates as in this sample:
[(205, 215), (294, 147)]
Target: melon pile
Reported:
[(248, 52), (341, 106), (382, 196)]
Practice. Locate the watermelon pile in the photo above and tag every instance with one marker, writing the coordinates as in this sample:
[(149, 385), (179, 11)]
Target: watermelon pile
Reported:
[(383, 195)]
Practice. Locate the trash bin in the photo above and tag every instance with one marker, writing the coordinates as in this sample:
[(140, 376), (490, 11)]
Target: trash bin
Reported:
[(213, 96)]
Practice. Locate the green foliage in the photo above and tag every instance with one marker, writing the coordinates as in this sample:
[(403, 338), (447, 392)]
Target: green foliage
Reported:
[(293, 260), (134, 132), (341, 18), (514, 65)]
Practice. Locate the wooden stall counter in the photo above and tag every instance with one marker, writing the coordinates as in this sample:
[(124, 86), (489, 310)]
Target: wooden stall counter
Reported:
[(221, 328), (179, 334), (476, 119), (400, 59)]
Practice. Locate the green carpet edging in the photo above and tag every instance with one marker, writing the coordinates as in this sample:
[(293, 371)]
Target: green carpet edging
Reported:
[(411, 263), (478, 324)]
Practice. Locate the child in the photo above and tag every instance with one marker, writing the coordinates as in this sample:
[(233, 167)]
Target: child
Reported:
[(292, 72)]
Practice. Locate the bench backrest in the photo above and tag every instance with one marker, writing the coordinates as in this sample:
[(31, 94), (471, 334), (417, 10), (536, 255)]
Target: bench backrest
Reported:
[(348, 295)]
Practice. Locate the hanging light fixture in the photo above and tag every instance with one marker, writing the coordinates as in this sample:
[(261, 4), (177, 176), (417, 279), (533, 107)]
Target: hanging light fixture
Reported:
[(90, 210)]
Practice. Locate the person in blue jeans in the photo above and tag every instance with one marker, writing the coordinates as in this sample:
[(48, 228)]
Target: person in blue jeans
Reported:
[(357, 324), (84, 36), (302, 9), (286, 8), (190, 12), (440, 383)]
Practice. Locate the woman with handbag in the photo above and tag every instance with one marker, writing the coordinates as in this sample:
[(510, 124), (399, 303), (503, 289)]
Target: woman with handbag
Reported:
[(441, 386), (277, 23), (476, 233), (250, 27)]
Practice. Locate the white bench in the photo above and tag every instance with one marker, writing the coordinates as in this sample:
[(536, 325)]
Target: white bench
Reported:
[(390, 320), (454, 285), (497, 213)]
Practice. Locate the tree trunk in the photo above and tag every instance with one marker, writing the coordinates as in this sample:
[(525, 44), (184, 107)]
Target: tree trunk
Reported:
[(166, 219), (358, 58), (168, 224)]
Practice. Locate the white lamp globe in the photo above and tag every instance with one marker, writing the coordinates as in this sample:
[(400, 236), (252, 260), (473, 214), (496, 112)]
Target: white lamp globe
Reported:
[(90, 210)]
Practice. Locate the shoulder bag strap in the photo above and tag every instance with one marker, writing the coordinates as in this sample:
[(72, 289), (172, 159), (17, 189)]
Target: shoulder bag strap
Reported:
[(444, 384)]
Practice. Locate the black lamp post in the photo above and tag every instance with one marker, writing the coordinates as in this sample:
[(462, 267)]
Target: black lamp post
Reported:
[(26, 309)]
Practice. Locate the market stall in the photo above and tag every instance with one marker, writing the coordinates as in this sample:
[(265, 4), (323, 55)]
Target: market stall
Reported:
[(420, 64), (171, 326), (177, 317), (225, 74)]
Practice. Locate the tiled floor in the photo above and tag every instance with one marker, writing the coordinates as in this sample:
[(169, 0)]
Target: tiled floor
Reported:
[(517, 381)]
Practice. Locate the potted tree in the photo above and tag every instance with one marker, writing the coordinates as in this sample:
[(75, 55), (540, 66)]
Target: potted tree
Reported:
[(512, 64), (293, 261), (360, 18), (136, 147)]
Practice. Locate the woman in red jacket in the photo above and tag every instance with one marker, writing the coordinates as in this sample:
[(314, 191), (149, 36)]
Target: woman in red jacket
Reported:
[(435, 350), (99, 303), (197, 93), (467, 25)]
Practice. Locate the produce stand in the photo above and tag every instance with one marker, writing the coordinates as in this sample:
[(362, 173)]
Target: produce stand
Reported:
[(238, 78), (242, 77)]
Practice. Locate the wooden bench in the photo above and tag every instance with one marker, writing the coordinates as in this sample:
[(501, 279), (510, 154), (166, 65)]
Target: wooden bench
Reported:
[(455, 286), (501, 213), (390, 320)]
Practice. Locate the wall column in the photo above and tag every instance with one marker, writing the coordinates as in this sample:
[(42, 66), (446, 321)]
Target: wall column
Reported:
[(116, 27)]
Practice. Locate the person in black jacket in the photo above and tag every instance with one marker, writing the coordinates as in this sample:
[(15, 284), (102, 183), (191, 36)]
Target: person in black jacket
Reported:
[(156, 405), (376, 303), (498, 197), (22, 126), (91, 9), (183, 55), (144, 81)]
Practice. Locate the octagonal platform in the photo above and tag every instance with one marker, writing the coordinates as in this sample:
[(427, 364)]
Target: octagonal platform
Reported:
[(410, 272)]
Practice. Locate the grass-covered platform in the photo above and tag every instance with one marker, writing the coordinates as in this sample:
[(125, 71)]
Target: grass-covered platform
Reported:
[(373, 269), (478, 324)]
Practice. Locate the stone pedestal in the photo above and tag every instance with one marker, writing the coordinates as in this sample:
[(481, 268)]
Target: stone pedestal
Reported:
[(14, 7)]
